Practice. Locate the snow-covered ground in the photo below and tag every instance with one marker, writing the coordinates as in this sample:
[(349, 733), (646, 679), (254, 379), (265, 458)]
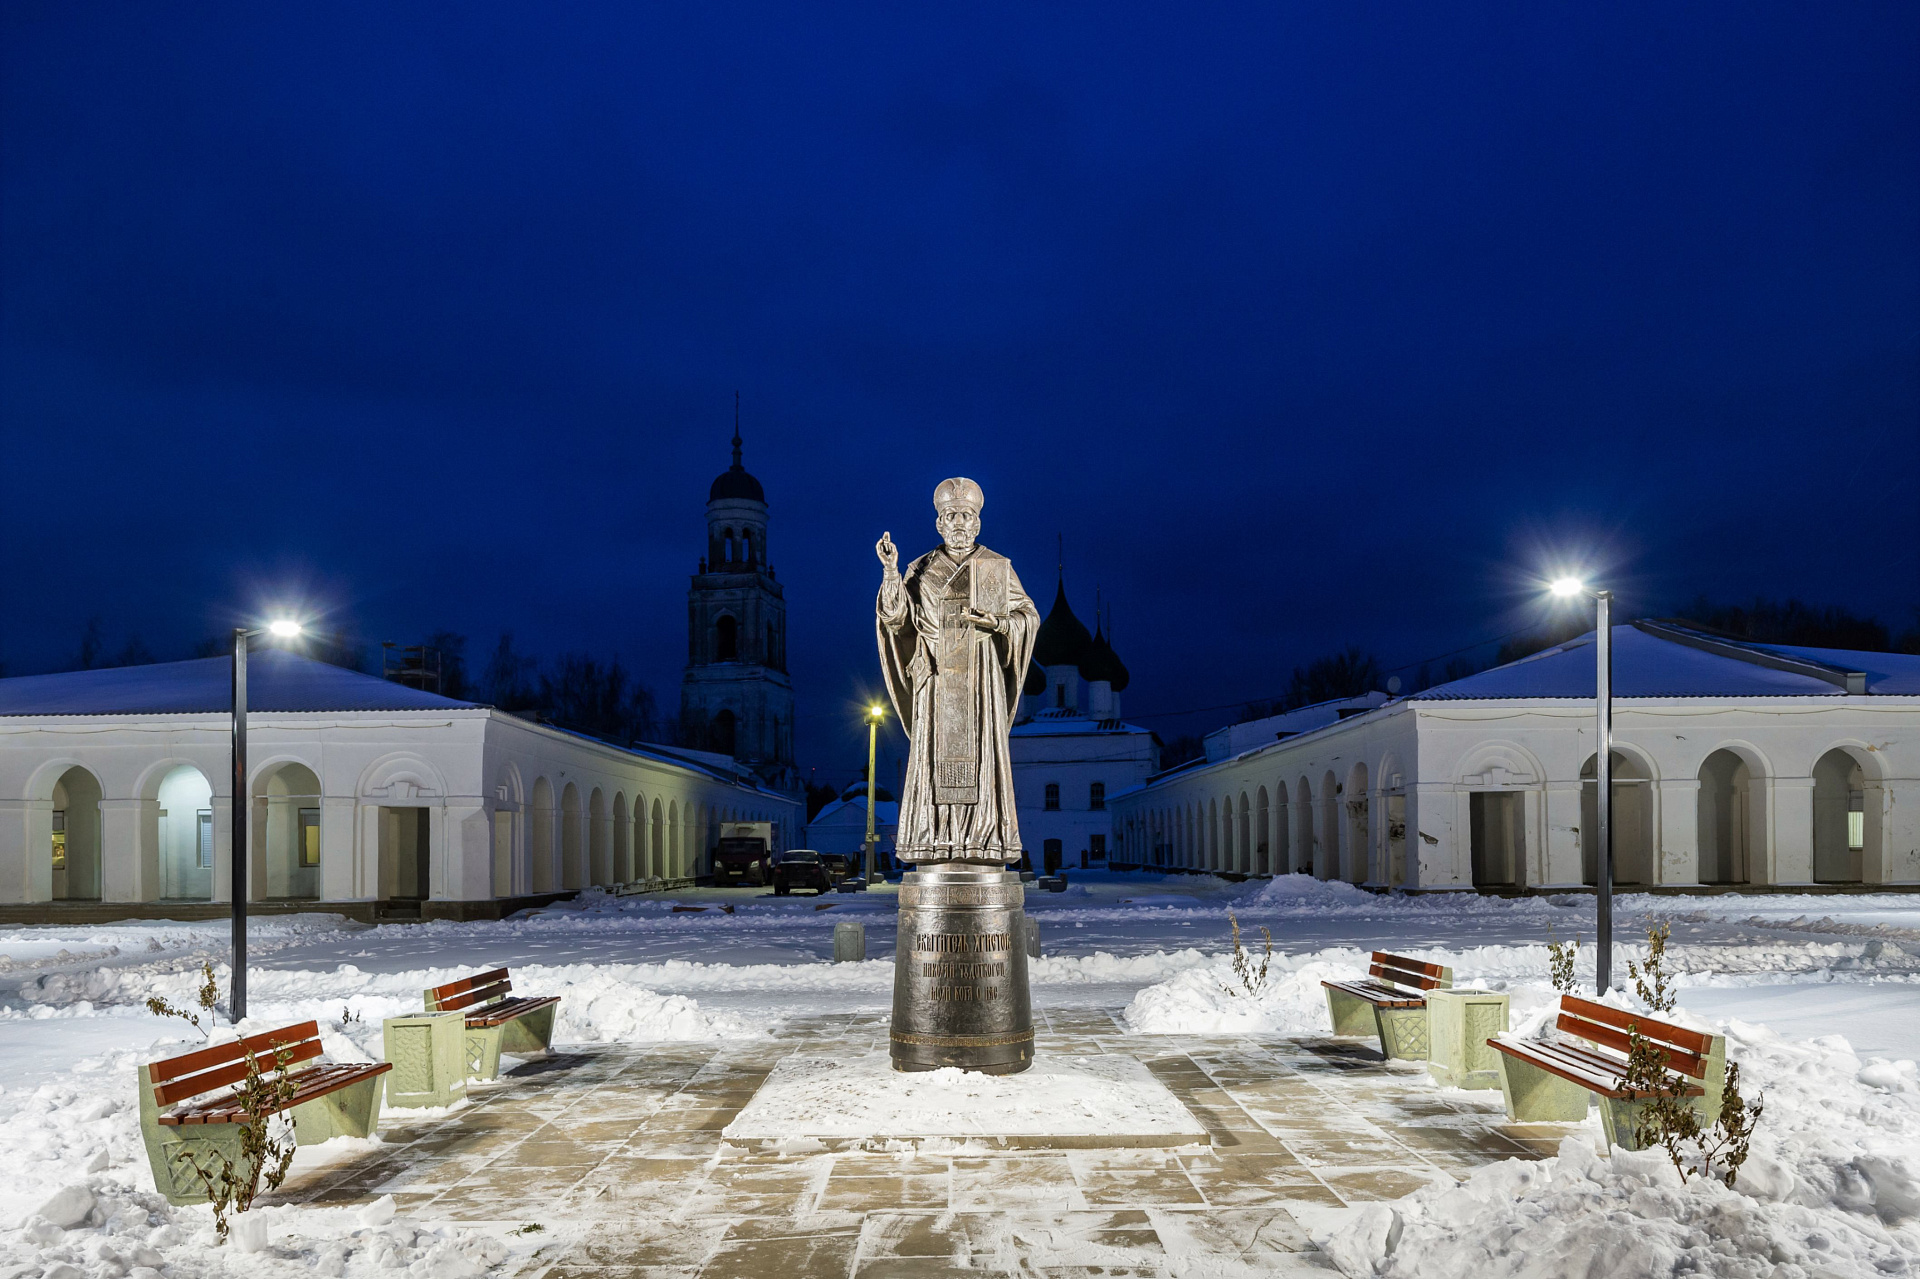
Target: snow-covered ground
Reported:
[(1820, 999)]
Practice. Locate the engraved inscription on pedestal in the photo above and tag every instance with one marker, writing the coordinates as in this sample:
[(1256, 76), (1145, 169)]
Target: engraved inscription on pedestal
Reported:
[(960, 974)]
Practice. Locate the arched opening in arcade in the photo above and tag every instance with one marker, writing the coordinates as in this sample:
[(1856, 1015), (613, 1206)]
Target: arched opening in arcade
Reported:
[(622, 841), (540, 837), (1841, 834), (286, 832), (1731, 817), (1263, 833), (573, 851), (185, 832), (1632, 821), (75, 842), (599, 840)]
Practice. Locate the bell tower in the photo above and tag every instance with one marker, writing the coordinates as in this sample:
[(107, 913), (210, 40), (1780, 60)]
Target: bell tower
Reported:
[(735, 697)]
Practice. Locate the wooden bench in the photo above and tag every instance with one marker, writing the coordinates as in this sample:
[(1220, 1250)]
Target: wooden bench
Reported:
[(1390, 1003), (190, 1104), (1549, 1080), (497, 1020)]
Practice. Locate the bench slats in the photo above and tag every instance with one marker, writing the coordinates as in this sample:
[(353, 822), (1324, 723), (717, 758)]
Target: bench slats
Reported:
[(302, 1043), (220, 1054), (1410, 972), (1690, 1041), (474, 988), (1593, 1071), (473, 998), (1377, 994), (508, 1009), (310, 1084)]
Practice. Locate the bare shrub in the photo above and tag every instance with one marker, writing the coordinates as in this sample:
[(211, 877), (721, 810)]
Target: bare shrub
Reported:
[(1670, 1120), (1252, 979), (1651, 980)]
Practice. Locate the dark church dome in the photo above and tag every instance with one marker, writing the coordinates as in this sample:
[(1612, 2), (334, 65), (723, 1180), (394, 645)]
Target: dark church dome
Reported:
[(735, 482), (1101, 662), (1036, 680), (1063, 639)]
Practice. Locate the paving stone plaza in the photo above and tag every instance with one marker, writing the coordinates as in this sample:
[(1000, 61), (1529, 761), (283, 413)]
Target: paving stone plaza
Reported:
[(616, 1153)]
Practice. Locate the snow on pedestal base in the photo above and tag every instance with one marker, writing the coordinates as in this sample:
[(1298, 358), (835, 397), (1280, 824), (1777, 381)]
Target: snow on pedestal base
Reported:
[(1061, 1101)]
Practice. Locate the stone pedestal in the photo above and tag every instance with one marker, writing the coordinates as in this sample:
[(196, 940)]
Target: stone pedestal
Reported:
[(960, 971)]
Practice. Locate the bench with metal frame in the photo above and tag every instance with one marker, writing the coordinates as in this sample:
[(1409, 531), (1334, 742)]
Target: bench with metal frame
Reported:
[(497, 1020), (1390, 1003), (1549, 1080), (191, 1111)]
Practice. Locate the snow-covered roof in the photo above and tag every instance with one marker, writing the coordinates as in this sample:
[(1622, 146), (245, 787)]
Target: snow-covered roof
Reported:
[(853, 812), (1236, 739), (1059, 723), (1669, 660), (276, 681)]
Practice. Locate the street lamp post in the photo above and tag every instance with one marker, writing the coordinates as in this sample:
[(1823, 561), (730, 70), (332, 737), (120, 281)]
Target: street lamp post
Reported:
[(874, 715), (1602, 775), (242, 823)]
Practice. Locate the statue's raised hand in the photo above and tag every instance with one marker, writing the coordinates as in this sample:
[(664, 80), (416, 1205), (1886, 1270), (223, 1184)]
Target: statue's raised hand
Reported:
[(889, 554)]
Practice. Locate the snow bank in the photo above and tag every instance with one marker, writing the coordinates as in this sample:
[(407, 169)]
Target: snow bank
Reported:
[(77, 1200)]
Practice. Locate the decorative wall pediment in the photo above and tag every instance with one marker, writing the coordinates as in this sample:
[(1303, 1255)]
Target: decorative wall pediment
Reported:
[(1496, 764), (401, 779)]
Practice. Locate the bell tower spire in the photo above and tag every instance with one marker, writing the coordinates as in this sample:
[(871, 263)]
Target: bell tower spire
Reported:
[(735, 696)]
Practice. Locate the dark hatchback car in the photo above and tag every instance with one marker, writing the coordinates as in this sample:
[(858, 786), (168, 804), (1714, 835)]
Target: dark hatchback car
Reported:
[(800, 868), (840, 865)]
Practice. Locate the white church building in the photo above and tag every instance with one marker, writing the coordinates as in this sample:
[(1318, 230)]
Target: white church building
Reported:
[(115, 787), (1070, 748), (1734, 764)]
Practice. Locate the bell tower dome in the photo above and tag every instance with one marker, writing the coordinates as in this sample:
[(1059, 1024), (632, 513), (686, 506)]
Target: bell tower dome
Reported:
[(735, 696)]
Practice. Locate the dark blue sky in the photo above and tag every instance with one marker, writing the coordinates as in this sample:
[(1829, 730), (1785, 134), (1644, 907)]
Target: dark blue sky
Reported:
[(1306, 325)]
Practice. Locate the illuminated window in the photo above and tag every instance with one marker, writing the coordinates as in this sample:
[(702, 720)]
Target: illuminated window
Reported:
[(309, 837), (1097, 796), (1053, 797), (59, 839), (203, 845)]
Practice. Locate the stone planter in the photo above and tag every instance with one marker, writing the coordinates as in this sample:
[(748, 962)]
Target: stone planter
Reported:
[(1459, 1023), (429, 1056)]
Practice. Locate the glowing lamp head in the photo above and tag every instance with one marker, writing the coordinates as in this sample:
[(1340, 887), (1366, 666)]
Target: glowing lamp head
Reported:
[(875, 712), (283, 627), (1567, 587)]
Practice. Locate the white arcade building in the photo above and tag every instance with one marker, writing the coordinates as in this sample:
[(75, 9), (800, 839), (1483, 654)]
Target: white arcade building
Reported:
[(1734, 764), (115, 788)]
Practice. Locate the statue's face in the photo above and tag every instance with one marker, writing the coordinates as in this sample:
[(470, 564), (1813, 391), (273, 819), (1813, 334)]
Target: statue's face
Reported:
[(959, 526)]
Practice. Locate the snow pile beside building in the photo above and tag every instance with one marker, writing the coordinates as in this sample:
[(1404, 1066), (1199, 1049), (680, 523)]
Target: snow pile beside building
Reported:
[(1832, 1188)]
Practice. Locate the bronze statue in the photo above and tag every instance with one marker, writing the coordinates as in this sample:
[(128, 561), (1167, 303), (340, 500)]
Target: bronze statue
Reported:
[(956, 632)]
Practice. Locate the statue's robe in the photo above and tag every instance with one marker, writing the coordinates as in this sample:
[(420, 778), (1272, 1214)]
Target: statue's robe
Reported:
[(955, 688)]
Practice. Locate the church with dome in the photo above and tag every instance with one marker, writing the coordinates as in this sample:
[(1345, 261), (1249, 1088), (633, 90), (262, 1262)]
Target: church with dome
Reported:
[(1071, 748), (735, 696)]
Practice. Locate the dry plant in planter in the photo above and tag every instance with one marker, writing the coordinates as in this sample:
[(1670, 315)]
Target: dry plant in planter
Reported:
[(1669, 1119)]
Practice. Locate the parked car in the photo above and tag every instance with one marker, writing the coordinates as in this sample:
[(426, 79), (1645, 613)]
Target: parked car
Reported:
[(840, 866), (744, 854), (800, 868)]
